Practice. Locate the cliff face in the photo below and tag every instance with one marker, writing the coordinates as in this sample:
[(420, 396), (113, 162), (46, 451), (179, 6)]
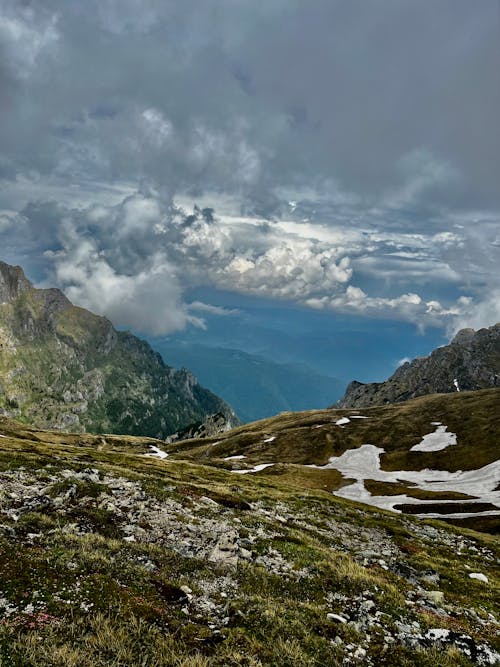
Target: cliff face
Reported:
[(470, 362), (12, 282), (63, 367)]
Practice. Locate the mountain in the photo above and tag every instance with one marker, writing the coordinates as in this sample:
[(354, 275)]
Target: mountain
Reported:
[(431, 456), (63, 367), (255, 386), (112, 553), (470, 362)]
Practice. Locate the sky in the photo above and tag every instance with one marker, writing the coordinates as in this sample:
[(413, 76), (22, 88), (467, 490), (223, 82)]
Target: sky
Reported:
[(168, 163)]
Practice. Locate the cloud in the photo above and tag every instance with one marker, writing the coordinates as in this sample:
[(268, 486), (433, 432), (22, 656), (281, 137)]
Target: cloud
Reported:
[(149, 300), (378, 122), (26, 35), (199, 306), (478, 314), (136, 260), (218, 96)]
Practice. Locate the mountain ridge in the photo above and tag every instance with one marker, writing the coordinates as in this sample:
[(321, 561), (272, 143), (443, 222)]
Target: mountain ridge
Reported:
[(256, 386), (64, 367), (470, 362)]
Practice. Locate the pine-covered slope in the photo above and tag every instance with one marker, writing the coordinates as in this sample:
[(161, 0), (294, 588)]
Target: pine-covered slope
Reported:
[(470, 362), (63, 367)]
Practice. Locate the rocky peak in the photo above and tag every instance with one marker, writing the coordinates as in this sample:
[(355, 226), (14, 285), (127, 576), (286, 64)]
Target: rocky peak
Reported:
[(470, 362), (64, 367), (55, 301), (463, 337), (13, 282)]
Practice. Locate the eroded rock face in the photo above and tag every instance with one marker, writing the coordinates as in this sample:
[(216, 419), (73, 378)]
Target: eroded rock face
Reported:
[(63, 367), (209, 427), (470, 362), (13, 282)]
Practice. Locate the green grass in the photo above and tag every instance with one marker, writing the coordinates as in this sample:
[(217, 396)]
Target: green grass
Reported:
[(85, 596)]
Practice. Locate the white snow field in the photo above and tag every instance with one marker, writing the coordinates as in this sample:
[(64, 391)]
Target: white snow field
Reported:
[(364, 463), (157, 452), (435, 442), (257, 468)]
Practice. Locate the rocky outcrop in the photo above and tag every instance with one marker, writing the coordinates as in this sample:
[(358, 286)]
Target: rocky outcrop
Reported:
[(470, 362), (62, 367), (13, 282), (208, 428)]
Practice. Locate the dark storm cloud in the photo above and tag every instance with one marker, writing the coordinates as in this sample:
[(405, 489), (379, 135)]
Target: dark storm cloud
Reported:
[(377, 118), (256, 97)]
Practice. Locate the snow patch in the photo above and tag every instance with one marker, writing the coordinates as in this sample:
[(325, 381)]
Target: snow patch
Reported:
[(235, 458), (342, 421), (257, 468), (479, 576), (455, 382), (270, 439), (364, 463), (158, 452), (359, 417), (435, 442)]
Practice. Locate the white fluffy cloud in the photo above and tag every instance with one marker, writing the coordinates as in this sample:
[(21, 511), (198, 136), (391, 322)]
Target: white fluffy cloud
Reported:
[(150, 300), (135, 261)]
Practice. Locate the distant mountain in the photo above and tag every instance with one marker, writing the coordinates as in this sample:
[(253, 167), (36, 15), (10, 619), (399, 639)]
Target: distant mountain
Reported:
[(255, 386), (63, 367), (470, 362)]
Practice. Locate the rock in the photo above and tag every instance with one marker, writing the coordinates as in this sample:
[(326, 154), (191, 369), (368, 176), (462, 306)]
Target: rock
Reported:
[(336, 618), (470, 362), (226, 549)]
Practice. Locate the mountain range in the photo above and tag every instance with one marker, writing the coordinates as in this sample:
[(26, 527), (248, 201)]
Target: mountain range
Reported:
[(470, 362), (64, 367), (269, 543), (254, 385)]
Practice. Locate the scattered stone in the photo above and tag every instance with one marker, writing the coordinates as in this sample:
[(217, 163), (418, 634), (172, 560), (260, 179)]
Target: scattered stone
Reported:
[(336, 618)]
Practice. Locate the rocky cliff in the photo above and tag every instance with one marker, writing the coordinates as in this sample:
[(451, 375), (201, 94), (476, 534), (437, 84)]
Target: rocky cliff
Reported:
[(470, 362), (63, 367)]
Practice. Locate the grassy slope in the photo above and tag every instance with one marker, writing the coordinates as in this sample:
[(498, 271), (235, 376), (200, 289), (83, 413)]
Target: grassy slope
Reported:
[(97, 604), (69, 369), (313, 437)]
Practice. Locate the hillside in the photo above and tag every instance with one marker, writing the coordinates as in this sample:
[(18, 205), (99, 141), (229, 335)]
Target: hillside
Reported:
[(436, 455), (256, 386), (111, 555), (62, 367), (470, 362)]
